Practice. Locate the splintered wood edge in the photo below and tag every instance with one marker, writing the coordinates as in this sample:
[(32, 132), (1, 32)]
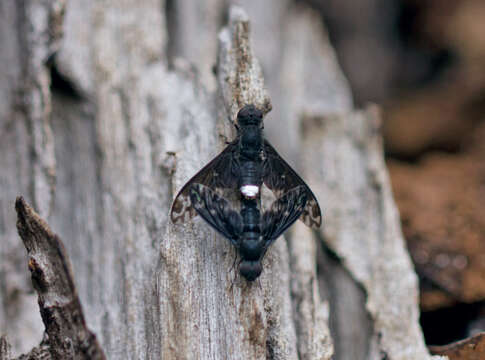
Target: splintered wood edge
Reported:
[(468, 349), (52, 278), (240, 78), (41, 242)]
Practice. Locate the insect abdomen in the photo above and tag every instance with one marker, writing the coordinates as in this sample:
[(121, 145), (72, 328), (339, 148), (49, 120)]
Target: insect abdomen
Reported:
[(250, 180), (251, 245)]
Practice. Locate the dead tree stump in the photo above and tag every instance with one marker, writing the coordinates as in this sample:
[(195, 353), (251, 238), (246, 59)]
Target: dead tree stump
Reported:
[(107, 108)]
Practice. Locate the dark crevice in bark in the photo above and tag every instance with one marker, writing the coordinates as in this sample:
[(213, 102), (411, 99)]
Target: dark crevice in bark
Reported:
[(347, 300), (269, 349), (61, 84), (23, 46), (224, 16), (171, 23)]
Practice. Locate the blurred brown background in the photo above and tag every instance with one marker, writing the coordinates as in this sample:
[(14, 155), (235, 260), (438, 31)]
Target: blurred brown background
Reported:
[(424, 61)]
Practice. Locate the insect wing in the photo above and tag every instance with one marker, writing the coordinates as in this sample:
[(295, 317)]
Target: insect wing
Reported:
[(220, 173), (283, 213), (279, 177), (217, 211)]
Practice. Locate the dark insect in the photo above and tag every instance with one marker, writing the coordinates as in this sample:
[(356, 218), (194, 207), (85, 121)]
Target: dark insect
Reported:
[(248, 231), (245, 164)]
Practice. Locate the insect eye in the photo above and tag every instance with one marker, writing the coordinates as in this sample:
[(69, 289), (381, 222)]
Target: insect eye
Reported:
[(249, 114)]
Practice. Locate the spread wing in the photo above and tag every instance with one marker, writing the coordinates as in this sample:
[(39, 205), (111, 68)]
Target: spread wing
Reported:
[(220, 173), (217, 211), (283, 213), (279, 177)]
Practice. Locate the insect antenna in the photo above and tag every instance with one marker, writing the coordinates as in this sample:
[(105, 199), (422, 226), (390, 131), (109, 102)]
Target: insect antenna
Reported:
[(236, 273), (233, 267)]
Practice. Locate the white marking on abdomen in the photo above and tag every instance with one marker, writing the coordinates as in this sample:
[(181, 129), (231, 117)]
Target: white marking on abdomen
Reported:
[(250, 191)]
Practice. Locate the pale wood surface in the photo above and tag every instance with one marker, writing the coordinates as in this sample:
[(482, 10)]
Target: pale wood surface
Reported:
[(101, 149)]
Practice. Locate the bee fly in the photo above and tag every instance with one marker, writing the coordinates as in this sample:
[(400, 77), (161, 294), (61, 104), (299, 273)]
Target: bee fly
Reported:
[(245, 164)]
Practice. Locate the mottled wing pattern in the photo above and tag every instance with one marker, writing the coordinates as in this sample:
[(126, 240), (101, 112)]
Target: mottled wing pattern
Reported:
[(217, 211), (279, 177), (220, 173), (283, 213)]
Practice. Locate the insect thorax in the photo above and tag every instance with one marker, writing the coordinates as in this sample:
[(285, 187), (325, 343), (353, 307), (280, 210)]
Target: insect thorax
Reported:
[(251, 142)]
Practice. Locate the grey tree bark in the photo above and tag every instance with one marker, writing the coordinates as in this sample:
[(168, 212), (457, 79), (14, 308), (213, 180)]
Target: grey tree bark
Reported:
[(107, 108)]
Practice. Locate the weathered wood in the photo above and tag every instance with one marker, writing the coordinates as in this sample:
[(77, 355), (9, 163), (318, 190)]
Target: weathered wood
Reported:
[(123, 122), (67, 334), (5, 353), (362, 226), (30, 33), (239, 75), (252, 321)]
